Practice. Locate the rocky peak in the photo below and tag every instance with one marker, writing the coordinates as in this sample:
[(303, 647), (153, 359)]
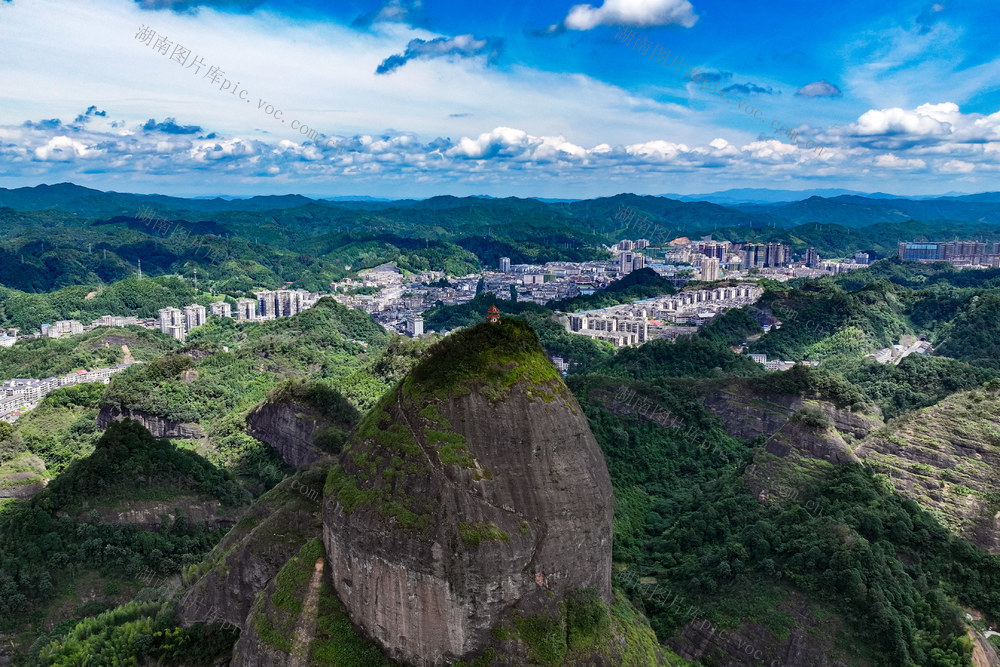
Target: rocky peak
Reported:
[(474, 493)]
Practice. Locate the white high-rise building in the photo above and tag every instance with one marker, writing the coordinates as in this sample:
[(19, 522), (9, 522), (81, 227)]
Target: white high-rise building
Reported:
[(415, 325), (220, 309), (194, 316), (710, 269), (246, 310), (171, 317), (505, 265)]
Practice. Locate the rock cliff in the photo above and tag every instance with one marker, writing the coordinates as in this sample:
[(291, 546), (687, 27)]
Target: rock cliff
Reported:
[(947, 459), (158, 426), (472, 495), (247, 559), (303, 421), (149, 514), (747, 413), (809, 639)]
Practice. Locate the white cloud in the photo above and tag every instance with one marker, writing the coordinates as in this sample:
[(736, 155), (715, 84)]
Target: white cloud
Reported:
[(957, 167), (61, 149), (922, 121), (890, 161), (639, 13)]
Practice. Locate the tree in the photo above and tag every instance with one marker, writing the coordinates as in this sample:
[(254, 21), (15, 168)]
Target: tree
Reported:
[(513, 293)]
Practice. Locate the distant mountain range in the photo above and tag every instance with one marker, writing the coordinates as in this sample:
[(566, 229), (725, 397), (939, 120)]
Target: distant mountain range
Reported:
[(747, 207), (768, 196)]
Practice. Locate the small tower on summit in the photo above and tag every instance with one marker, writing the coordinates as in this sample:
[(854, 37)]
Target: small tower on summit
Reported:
[(493, 315)]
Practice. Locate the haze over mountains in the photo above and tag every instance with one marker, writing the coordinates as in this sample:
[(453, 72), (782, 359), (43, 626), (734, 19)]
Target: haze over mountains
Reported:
[(741, 207)]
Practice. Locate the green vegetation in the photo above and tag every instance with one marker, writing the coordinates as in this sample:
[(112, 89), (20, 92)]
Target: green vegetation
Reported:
[(474, 533), (492, 356), (276, 612), (101, 348), (136, 633), (584, 353), (60, 430), (45, 547), (688, 356), (586, 631), (336, 644), (690, 520)]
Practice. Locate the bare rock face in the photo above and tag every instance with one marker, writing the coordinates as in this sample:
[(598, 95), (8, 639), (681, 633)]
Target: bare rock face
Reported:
[(474, 491), (946, 458), (808, 644), (822, 442), (149, 514), (158, 426), (278, 634), (303, 421), (746, 413), (289, 429), (273, 530)]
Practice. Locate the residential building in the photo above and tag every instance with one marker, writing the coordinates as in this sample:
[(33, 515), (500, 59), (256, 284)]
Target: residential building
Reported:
[(220, 309), (62, 328), (716, 250), (114, 321), (176, 331), (415, 325), (753, 256), (25, 393), (958, 253), (710, 269), (194, 316), (505, 265), (629, 261), (286, 303), (246, 310), (812, 258), (171, 317)]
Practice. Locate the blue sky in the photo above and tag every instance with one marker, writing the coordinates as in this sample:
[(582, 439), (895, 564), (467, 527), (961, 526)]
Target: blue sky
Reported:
[(412, 98)]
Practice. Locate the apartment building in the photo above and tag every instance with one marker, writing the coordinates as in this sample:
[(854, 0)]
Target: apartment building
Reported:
[(246, 310), (194, 316), (220, 309)]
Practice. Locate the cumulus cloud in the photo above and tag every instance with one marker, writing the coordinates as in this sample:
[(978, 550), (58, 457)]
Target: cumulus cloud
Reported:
[(748, 89), (170, 126), (930, 141), (410, 12), (49, 124), (462, 46), (61, 149), (925, 120), (819, 89), (639, 13), (86, 115), (938, 138)]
